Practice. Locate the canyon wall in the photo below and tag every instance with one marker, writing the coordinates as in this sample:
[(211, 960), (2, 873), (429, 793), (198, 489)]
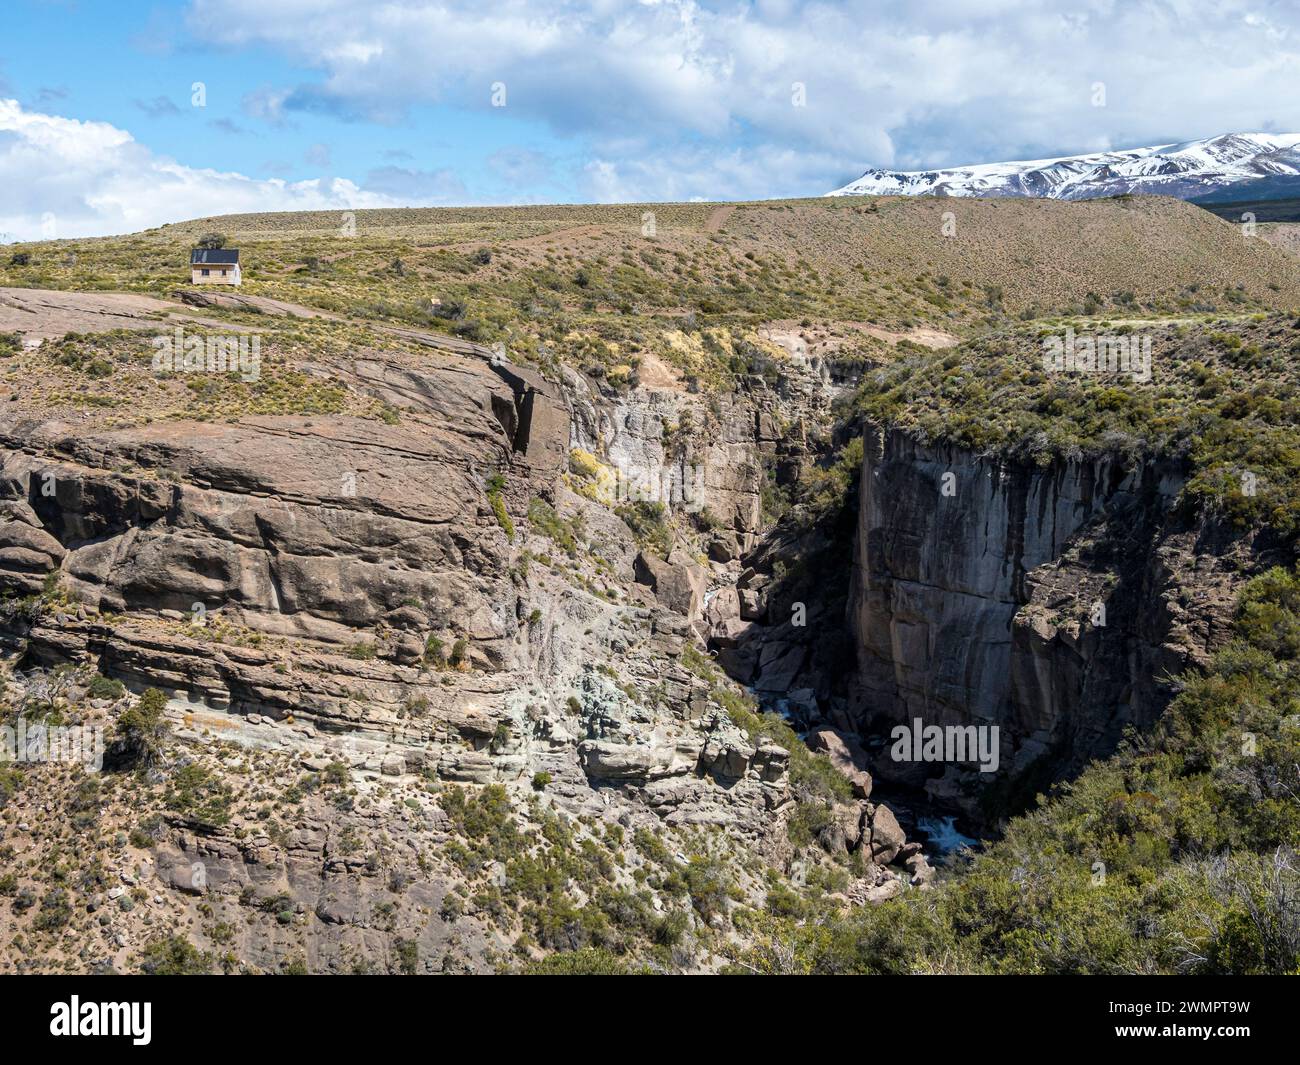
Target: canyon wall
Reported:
[(1054, 602)]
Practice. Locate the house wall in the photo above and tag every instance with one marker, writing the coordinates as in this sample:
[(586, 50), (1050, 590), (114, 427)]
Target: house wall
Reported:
[(217, 275)]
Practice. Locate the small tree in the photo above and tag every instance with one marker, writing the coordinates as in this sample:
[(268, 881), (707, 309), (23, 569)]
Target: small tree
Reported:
[(141, 732), (212, 241)]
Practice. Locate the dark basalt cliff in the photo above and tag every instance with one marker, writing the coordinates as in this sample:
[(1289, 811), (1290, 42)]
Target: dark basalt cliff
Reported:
[(1054, 602)]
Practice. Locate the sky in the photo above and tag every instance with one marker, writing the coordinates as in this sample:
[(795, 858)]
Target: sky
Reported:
[(119, 115)]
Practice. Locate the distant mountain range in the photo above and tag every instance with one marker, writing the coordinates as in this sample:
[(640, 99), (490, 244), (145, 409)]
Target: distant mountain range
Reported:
[(1235, 166)]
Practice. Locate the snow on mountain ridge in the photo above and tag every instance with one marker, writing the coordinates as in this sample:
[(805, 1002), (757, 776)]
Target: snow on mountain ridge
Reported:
[(1189, 168)]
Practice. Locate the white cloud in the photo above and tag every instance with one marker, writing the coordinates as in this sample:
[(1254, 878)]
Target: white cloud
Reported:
[(318, 155), (266, 103), (521, 167), (703, 173), (66, 178), (676, 100), (933, 82)]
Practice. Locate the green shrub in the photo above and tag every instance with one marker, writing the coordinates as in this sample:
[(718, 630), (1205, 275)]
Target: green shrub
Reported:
[(55, 911), (590, 961), (496, 485), (408, 956), (433, 653), (101, 687), (649, 523), (544, 519), (173, 955), (200, 794)]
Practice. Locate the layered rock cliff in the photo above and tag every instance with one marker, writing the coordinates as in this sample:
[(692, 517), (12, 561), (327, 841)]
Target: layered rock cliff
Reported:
[(355, 614)]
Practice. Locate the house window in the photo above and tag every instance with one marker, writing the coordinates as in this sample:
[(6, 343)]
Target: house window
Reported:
[(205, 271)]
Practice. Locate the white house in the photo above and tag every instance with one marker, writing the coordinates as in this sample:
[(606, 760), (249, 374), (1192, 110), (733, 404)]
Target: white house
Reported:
[(214, 266)]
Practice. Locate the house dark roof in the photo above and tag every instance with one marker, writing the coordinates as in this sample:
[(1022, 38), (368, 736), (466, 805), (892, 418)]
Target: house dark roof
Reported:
[(214, 257)]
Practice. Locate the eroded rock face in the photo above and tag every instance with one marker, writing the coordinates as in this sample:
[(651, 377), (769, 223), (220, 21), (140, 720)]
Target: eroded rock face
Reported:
[(312, 527), (881, 826), (335, 585), (312, 875), (709, 452), (384, 617), (1043, 601), (340, 594)]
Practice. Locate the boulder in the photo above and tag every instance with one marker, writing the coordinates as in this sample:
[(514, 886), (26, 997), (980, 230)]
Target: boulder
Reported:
[(739, 662), (848, 825), (727, 752), (906, 851), (886, 837), (883, 892), (672, 624), (677, 586), (730, 633), (723, 607), (875, 886), (726, 757), (722, 550), (606, 760), (772, 763), (698, 572), (846, 755), (183, 875), (779, 665), (753, 604), (920, 871), (408, 618), (408, 649)]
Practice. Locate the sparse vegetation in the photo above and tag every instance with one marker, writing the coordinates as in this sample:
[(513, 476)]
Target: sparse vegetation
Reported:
[(173, 955), (1226, 402), (1197, 840)]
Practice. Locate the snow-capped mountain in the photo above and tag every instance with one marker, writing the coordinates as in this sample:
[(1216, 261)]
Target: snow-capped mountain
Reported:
[(1262, 165)]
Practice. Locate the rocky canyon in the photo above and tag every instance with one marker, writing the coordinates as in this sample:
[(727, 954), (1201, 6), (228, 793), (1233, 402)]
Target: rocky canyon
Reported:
[(552, 600)]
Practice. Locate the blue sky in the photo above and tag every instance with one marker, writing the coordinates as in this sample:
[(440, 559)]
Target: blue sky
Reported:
[(57, 55), (329, 103)]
